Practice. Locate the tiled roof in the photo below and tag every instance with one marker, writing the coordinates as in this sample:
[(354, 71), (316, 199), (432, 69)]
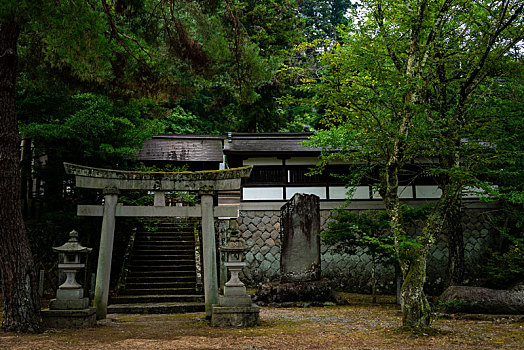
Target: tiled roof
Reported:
[(271, 143), (183, 148)]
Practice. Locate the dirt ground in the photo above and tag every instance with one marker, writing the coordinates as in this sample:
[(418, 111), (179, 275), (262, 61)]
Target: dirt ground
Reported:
[(357, 326)]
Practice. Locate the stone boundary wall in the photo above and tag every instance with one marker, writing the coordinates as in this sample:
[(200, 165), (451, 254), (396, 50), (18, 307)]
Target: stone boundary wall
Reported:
[(261, 231)]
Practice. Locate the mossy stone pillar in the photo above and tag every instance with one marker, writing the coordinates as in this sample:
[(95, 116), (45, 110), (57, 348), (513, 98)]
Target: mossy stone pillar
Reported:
[(105, 254)]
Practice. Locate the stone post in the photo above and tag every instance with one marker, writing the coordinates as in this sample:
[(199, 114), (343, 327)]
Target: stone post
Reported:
[(209, 252), (105, 254), (159, 199)]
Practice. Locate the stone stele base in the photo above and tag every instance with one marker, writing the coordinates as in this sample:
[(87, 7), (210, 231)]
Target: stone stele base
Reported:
[(69, 318), (235, 316)]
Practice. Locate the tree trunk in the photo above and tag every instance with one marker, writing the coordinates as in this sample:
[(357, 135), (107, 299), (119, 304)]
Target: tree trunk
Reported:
[(456, 265), (373, 280), (21, 303), (398, 282), (416, 311)]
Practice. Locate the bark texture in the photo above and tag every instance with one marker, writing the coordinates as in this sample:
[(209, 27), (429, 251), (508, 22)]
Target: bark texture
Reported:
[(456, 264), (21, 303), (416, 312)]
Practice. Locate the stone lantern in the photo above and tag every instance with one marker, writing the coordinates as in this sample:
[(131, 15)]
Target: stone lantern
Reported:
[(235, 307), (70, 309), (70, 295), (234, 289)]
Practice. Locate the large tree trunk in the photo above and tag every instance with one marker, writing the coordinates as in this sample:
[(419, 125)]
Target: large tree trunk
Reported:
[(21, 304), (416, 312), (456, 265)]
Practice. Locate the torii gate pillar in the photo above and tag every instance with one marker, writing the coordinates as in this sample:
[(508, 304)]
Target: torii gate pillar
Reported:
[(209, 253), (105, 252)]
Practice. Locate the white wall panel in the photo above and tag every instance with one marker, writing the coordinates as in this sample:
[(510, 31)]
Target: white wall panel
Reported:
[(262, 193), (405, 191), (340, 192), (428, 191), (262, 161), (302, 161), (319, 191)]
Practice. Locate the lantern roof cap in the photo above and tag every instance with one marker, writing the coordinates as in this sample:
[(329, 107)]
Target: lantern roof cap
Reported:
[(72, 245), (235, 243)]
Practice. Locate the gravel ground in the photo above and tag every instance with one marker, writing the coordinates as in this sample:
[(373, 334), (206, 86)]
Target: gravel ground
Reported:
[(349, 327)]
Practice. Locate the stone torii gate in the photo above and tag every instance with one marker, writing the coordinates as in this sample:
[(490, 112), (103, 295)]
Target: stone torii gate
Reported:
[(206, 183)]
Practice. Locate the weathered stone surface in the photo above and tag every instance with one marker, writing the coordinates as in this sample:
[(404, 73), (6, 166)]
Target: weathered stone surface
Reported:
[(69, 304), (265, 265), (246, 316), (484, 300), (69, 318), (300, 249), (264, 250), (295, 291)]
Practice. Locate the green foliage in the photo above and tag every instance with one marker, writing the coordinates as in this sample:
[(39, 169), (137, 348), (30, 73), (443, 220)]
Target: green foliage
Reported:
[(90, 129), (507, 268), (180, 121), (368, 230), (322, 18)]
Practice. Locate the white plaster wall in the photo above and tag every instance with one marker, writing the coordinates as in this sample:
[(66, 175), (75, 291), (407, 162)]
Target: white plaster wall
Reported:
[(262, 161), (302, 161), (340, 192), (262, 193), (403, 192), (428, 191), (319, 191)]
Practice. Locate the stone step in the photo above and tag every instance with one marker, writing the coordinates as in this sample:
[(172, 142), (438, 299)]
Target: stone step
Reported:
[(167, 257), (164, 268), (156, 308), (155, 298), (162, 261), (173, 232), (163, 251), (163, 291), (153, 246), (164, 238), (158, 241), (161, 278), (159, 285), (162, 273)]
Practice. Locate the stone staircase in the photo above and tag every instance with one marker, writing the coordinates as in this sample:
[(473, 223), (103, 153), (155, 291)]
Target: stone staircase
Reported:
[(161, 275)]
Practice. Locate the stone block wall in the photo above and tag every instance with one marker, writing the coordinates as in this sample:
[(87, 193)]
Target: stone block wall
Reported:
[(261, 231)]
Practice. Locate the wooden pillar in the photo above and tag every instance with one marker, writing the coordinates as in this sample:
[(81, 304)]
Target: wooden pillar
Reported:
[(209, 253), (105, 254)]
